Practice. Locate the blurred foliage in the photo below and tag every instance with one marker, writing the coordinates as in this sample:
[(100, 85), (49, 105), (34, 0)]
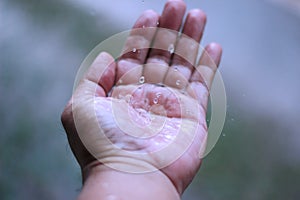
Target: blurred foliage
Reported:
[(244, 164), (61, 15), (35, 159)]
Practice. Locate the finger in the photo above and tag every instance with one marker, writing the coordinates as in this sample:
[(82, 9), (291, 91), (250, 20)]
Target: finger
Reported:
[(186, 50), (100, 77), (208, 64), (164, 41), (138, 43)]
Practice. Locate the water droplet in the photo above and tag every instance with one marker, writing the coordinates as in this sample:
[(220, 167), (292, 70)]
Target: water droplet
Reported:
[(158, 94), (142, 80), (134, 50), (182, 91), (120, 81), (155, 100), (168, 136), (175, 69), (171, 48), (178, 82), (146, 101), (157, 23), (223, 134)]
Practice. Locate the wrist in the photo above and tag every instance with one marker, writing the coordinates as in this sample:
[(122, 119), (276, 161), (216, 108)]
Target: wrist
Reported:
[(105, 183)]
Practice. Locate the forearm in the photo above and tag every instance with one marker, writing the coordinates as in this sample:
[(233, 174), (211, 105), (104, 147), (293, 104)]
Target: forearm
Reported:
[(103, 183)]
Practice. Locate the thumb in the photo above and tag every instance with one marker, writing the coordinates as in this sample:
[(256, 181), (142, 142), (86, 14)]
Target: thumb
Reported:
[(99, 78)]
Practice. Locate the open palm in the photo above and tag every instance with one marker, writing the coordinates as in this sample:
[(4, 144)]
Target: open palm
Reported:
[(147, 110)]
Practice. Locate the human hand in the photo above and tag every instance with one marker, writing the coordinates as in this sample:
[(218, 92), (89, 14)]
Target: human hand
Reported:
[(147, 111)]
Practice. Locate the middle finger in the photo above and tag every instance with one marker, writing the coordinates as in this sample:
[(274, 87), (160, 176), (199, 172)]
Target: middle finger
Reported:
[(186, 51), (164, 41)]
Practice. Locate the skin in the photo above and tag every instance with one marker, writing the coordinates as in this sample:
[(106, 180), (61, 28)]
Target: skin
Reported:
[(99, 109)]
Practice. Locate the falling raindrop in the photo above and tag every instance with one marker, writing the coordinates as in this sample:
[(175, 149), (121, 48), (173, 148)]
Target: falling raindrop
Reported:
[(178, 82), (171, 48), (142, 80)]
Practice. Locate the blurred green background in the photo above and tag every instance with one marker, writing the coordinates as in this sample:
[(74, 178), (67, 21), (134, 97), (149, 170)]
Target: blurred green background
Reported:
[(42, 44)]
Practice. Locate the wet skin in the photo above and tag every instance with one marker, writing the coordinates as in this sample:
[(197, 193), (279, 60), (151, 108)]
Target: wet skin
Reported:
[(143, 117)]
